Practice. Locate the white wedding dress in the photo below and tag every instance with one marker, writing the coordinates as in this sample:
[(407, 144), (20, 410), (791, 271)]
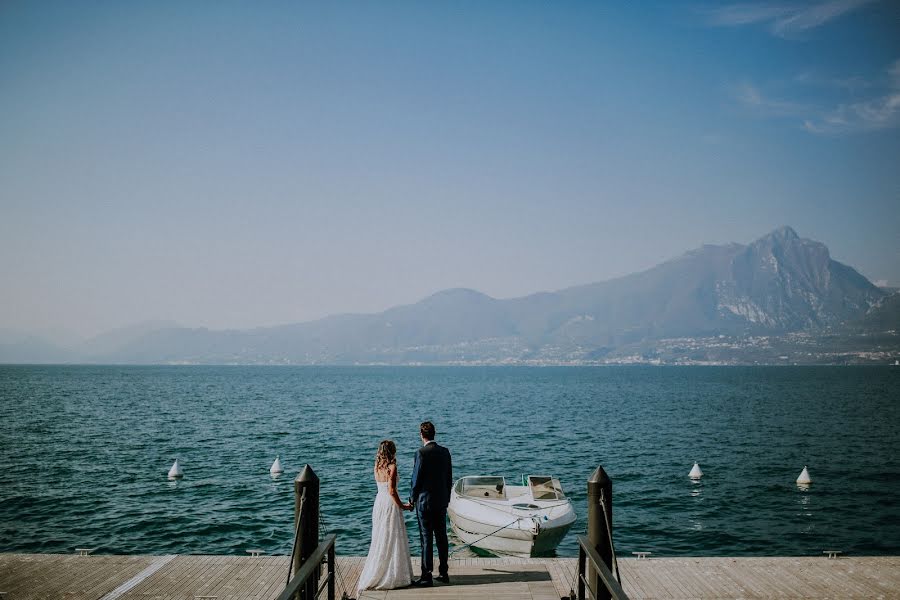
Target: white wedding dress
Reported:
[(388, 565)]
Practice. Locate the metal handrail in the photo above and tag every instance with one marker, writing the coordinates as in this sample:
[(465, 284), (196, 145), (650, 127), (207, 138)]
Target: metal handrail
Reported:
[(586, 551), (310, 566)]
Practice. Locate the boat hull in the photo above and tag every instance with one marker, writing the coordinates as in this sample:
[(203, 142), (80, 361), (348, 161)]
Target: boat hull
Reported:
[(527, 537)]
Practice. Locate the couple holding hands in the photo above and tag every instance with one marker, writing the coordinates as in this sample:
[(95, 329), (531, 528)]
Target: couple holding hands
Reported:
[(388, 564)]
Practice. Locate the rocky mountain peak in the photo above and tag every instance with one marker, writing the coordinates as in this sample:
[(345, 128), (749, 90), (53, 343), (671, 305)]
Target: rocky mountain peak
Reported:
[(785, 282), (783, 233), (780, 283)]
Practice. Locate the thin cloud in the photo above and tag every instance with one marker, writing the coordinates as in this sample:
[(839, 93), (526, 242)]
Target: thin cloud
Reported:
[(737, 15), (872, 114), (852, 84), (880, 110), (752, 98), (783, 20)]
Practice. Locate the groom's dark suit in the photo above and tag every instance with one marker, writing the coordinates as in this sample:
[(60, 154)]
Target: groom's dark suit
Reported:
[(432, 478)]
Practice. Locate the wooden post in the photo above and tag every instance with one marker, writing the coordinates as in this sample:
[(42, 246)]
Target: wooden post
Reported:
[(600, 525), (306, 521)]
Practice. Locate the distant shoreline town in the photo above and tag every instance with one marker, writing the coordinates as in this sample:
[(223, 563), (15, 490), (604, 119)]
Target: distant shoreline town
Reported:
[(792, 349), (780, 300)]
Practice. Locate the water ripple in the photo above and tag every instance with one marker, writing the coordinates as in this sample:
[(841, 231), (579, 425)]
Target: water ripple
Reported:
[(85, 451)]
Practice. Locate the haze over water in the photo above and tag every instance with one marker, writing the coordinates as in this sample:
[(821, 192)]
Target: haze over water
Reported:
[(85, 452)]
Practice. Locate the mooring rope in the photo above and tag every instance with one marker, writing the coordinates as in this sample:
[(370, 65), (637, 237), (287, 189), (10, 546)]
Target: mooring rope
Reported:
[(612, 548), (458, 548), (296, 536)]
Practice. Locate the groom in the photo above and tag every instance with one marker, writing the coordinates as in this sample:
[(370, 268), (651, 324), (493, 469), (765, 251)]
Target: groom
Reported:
[(432, 478)]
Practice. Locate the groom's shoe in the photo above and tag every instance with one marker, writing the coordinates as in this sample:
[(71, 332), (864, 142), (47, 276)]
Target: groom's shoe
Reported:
[(422, 582), (443, 579)]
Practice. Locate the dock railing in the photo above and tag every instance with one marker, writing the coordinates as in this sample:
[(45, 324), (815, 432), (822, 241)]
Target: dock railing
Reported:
[(304, 585), (604, 585), (307, 553), (596, 554)]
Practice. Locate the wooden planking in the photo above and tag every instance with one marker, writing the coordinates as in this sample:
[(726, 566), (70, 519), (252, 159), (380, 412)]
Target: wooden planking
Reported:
[(263, 578), (503, 580), (25, 573), (683, 578), (271, 581), (793, 577), (26, 576), (631, 582), (223, 576), (347, 575)]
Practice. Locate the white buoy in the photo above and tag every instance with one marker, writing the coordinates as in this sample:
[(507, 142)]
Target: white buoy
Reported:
[(175, 472), (804, 478), (695, 473), (276, 466)]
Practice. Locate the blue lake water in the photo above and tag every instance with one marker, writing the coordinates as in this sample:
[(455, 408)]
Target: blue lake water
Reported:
[(84, 452)]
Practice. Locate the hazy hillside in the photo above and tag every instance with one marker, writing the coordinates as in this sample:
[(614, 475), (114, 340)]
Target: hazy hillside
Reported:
[(884, 316), (779, 285), (32, 349), (117, 339)]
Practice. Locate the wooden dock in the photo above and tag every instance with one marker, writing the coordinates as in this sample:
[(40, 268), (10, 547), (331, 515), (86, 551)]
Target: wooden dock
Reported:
[(193, 577)]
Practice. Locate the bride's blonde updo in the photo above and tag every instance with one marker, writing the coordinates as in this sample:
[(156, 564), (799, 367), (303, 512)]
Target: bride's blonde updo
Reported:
[(386, 455)]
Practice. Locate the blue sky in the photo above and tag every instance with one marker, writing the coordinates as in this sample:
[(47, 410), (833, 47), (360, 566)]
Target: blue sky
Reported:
[(236, 164)]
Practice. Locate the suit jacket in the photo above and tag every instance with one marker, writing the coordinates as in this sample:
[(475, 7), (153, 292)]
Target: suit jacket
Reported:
[(432, 477)]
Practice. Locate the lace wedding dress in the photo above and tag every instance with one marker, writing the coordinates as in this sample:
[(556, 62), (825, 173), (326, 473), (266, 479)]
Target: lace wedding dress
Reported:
[(388, 565)]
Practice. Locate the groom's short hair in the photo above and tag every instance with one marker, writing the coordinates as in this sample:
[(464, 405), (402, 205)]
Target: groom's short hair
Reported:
[(427, 430)]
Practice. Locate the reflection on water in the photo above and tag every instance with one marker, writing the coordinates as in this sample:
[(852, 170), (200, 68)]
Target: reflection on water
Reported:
[(696, 489), (696, 522), (805, 506), (804, 499)]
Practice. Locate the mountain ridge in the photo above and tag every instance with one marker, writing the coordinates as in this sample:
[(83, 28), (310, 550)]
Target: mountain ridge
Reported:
[(778, 285)]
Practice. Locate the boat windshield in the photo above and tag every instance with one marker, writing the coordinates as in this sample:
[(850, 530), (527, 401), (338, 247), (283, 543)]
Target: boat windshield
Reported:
[(545, 488), (482, 487)]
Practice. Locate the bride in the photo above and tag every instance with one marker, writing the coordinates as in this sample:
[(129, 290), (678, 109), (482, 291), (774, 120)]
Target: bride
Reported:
[(388, 564)]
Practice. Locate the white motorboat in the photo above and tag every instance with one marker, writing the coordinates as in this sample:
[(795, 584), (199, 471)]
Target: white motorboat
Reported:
[(510, 520)]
